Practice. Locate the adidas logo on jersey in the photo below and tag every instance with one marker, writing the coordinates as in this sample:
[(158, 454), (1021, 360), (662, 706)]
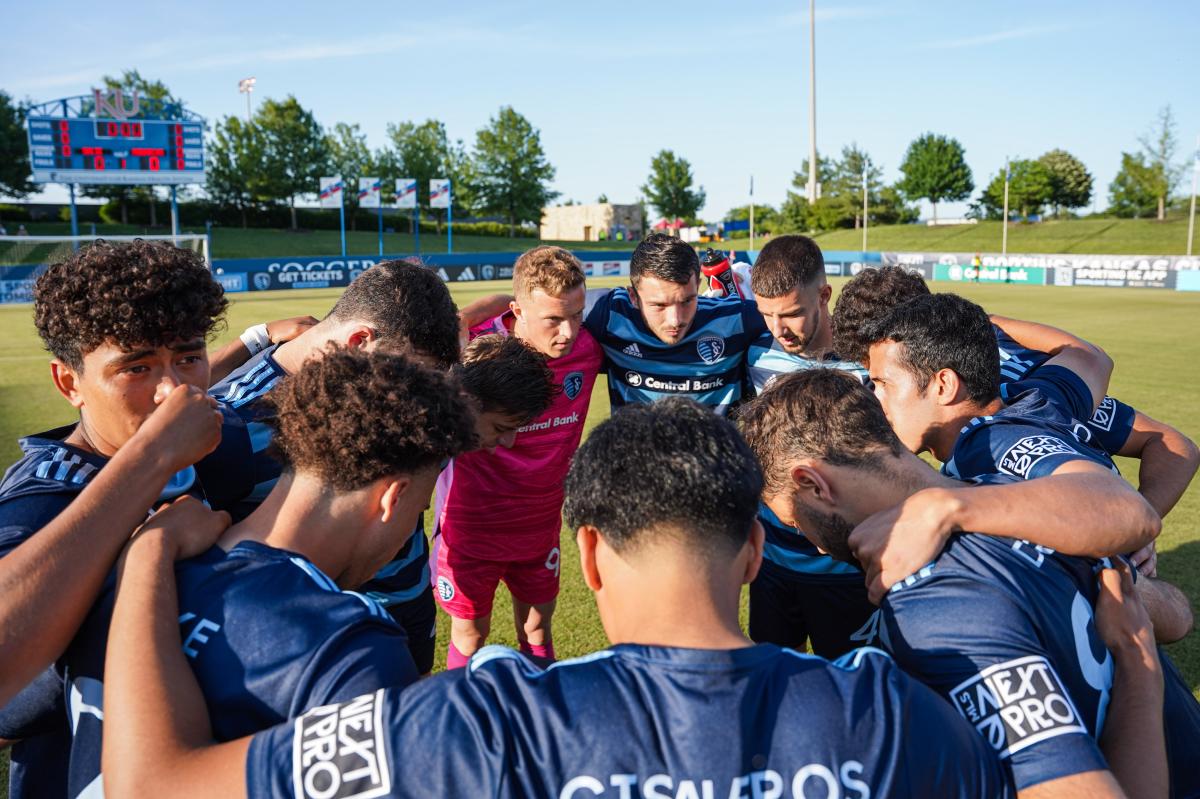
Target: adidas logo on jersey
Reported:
[(633, 350)]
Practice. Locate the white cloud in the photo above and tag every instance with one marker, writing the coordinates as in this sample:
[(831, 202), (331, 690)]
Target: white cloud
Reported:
[(997, 36)]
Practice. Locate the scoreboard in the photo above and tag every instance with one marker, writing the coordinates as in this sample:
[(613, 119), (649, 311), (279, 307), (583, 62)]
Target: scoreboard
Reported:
[(94, 150)]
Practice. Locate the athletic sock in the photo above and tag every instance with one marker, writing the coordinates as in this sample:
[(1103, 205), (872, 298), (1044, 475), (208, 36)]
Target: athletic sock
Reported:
[(544, 653), (454, 658)]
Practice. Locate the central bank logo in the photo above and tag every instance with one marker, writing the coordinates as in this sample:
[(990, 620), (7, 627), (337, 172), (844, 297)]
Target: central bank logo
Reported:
[(262, 281), (573, 384), (445, 589), (633, 379), (711, 348)]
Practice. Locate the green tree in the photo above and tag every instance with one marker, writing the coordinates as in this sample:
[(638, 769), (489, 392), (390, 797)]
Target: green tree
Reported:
[(423, 152), (1070, 182), (350, 158), (841, 201), (669, 187), (796, 214), (236, 173), (511, 174), (153, 98), (765, 217), (935, 168), (15, 172), (1159, 146), (1132, 192), (295, 151), (1030, 186)]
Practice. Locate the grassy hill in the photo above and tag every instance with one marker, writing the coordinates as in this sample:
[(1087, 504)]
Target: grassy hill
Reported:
[(1115, 236)]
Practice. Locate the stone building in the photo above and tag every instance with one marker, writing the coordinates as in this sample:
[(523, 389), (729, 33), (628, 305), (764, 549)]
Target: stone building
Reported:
[(596, 222)]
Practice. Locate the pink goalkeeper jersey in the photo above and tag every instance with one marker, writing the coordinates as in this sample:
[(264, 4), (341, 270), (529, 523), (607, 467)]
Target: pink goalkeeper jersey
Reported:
[(507, 505)]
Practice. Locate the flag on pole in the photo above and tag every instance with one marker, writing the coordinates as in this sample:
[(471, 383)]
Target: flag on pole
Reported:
[(369, 194), (439, 193), (331, 192), (406, 192)]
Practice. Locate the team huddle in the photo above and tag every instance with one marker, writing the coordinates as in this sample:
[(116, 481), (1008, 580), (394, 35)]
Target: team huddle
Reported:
[(218, 581)]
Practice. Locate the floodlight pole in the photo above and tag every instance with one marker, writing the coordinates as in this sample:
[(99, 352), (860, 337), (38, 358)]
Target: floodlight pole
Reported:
[(864, 205), (74, 215), (1004, 221), (175, 212), (752, 212), (813, 102), (1192, 212), (449, 218)]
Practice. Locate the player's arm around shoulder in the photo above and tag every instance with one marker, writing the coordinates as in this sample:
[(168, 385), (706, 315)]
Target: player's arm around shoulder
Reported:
[(1086, 360), (159, 744), (1169, 460)]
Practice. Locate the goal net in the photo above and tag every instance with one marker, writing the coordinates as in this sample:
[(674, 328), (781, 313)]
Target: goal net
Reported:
[(42, 250)]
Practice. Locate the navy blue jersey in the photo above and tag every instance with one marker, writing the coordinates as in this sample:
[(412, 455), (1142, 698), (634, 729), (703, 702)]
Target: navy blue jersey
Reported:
[(34, 490), (635, 721), (708, 365), (243, 390), (1004, 630), (268, 636), (1031, 436), (1108, 427)]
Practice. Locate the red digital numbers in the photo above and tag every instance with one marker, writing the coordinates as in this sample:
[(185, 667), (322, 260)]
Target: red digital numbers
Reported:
[(98, 162), (66, 151), (154, 163)]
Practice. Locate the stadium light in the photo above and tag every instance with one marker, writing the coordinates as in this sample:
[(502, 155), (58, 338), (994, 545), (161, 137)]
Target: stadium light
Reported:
[(246, 86), (1004, 221), (813, 189)]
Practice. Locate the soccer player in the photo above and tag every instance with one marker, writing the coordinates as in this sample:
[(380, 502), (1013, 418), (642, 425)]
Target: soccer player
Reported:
[(508, 385), (1167, 458), (395, 306), (660, 337), (270, 627), (663, 499), (1008, 632), (126, 326), (499, 513), (800, 596)]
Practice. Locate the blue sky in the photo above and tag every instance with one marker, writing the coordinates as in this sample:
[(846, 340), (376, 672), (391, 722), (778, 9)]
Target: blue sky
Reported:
[(725, 85)]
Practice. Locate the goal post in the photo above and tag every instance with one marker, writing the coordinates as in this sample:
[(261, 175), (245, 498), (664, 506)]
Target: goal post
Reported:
[(32, 251)]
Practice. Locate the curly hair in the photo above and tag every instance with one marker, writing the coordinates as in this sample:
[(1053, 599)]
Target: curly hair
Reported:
[(672, 469), (869, 295), (352, 417), (405, 303), (133, 294), (505, 375)]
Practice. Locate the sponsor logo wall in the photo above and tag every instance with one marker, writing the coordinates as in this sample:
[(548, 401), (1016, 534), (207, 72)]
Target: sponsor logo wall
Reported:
[(1121, 271), (269, 274)]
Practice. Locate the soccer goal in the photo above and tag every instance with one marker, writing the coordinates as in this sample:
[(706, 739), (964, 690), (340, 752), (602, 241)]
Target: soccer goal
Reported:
[(40, 250)]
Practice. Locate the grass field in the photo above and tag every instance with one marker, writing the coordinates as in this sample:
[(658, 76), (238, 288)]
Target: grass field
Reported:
[(1152, 335), (1101, 236)]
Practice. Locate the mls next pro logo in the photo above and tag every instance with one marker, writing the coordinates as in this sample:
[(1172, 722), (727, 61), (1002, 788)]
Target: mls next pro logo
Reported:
[(111, 103)]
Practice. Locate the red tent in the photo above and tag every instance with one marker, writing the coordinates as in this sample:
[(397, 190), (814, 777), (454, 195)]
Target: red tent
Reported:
[(664, 224)]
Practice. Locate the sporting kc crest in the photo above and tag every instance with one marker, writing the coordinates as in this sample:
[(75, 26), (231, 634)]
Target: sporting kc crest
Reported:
[(711, 348), (573, 384)]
